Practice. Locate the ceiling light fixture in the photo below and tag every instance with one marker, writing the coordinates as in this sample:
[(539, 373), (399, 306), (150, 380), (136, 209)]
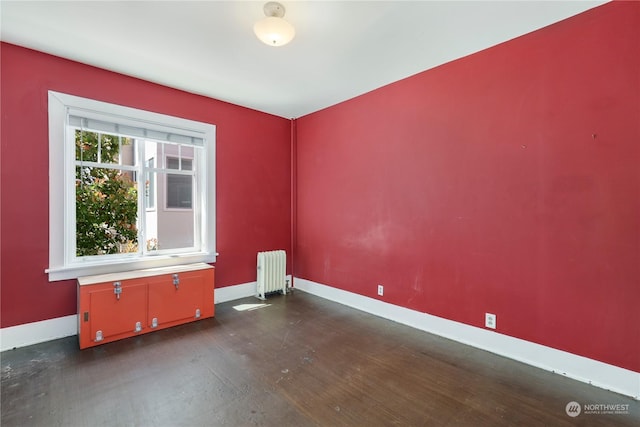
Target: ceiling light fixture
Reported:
[(273, 30)]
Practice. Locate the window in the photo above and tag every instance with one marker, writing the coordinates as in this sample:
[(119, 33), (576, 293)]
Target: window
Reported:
[(106, 197), (110, 169)]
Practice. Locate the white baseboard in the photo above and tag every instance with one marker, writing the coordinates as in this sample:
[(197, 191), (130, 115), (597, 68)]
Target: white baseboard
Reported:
[(580, 368), (231, 293), (37, 332)]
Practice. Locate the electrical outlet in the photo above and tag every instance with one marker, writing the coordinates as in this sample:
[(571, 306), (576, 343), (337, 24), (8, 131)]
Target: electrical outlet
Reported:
[(380, 290), (490, 320)]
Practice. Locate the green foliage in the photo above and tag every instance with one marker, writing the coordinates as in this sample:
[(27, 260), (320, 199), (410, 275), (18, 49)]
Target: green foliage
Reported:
[(106, 199)]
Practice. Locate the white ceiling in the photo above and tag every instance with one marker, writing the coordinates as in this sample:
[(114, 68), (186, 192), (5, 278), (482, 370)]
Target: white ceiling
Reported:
[(342, 48)]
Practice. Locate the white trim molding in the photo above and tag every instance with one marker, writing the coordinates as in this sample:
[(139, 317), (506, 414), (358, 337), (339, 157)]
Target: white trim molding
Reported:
[(580, 368), (37, 332), (232, 293), (62, 108)]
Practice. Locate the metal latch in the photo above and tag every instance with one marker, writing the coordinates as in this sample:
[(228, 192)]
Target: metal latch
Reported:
[(98, 336), (117, 289), (197, 313), (154, 322), (138, 327), (176, 280)]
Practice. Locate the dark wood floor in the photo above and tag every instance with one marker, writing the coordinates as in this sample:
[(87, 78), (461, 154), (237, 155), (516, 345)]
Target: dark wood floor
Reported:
[(301, 361)]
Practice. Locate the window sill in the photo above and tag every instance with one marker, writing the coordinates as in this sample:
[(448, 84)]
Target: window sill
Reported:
[(92, 268)]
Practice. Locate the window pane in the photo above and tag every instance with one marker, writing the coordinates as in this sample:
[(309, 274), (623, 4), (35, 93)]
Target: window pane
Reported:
[(172, 228), (104, 148), (106, 211), (86, 146), (175, 230), (187, 153), (110, 148), (174, 163), (127, 153)]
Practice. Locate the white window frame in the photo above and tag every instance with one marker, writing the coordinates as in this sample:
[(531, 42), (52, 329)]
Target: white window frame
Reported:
[(64, 266)]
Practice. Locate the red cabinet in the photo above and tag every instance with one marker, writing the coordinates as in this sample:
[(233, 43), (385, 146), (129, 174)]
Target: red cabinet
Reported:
[(182, 298), (111, 318), (121, 305)]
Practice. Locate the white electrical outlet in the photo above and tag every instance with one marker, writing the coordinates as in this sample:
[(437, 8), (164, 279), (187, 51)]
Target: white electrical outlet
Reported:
[(490, 320), (380, 290)]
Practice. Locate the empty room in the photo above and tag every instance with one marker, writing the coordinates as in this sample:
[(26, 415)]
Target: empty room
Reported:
[(320, 213)]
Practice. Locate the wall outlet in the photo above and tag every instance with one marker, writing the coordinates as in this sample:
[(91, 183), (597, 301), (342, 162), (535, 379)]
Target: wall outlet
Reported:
[(490, 320), (380, 290)]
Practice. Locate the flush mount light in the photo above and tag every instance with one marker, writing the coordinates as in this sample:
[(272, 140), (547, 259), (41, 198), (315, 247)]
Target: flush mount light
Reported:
[(273, 30)]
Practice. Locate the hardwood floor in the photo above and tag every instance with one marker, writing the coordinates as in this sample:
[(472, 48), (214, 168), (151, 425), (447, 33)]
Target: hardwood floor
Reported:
[(300, 361)]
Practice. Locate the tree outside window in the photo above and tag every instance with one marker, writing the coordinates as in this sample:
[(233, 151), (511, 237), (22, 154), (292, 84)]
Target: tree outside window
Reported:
[(106, 196)]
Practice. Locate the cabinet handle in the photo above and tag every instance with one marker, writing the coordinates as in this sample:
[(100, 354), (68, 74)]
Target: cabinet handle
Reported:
[(176, 280), (117, 289)]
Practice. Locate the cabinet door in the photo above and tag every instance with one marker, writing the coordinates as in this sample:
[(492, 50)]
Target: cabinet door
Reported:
[(176, 298), (112, 315)]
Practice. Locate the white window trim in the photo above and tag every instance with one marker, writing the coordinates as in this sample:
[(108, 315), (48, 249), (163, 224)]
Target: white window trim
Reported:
[(61, 160)]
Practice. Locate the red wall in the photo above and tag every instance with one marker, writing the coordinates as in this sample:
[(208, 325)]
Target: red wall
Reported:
[(505, 182), (252, 148)]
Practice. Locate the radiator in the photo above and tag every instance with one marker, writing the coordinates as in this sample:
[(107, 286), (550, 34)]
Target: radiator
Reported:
[(272, 270)]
